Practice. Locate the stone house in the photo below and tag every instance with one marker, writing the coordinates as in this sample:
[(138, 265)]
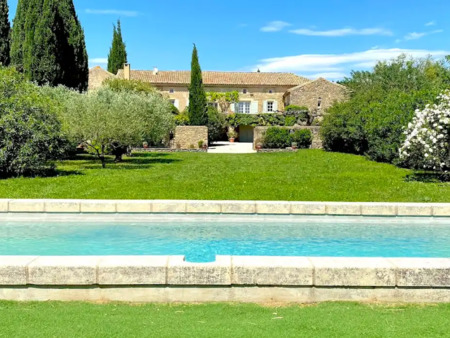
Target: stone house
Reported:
[(97, 76), (259, 92)]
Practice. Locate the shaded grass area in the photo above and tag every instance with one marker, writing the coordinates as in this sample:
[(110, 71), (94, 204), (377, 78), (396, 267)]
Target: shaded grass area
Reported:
[(55, 319), (309, 175)]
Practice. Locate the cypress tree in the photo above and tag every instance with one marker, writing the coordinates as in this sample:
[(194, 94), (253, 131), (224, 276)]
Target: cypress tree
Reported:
[(48, 43), (198, 113), (4, 34), (18, 33), (117, 54)]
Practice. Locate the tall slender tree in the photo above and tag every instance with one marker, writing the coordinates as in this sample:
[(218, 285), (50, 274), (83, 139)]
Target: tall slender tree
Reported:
[(198, 109), (18, 35), (117, 54), (48, 43), (5, 29)]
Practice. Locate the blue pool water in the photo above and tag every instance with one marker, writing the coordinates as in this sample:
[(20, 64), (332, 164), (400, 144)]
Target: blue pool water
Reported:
[(201, 240)]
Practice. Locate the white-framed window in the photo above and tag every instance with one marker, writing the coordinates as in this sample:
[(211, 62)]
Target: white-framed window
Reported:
[(270, 106), (244, 107), (172, 101)]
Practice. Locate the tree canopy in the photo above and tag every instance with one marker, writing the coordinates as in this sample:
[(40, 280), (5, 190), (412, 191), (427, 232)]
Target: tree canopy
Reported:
[(48, 43), (107, 119), (5, 29)]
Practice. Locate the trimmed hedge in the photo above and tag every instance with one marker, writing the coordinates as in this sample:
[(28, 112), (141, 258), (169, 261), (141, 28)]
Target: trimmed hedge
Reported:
[(303, 138), (278, 138)]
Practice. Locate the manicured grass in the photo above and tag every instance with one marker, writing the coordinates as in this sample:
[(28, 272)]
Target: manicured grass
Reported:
[(220, 320), (309, 175)]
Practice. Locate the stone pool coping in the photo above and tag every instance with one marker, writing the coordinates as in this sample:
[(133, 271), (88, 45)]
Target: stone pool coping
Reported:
[(224, 207), (229, 278)]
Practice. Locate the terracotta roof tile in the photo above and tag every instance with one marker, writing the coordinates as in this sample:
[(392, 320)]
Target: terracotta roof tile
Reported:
[(219, 78)]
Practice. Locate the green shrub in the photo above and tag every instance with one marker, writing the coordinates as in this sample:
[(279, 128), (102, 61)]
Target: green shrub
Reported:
[(216, 125), (290, 121), (276, 138), (303, 138), (381, 105), (30, 132), (182, 119)]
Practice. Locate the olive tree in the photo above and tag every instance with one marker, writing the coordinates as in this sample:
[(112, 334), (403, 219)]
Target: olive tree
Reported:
[(105, 120)]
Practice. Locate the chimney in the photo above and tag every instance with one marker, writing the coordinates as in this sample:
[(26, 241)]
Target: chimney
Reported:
[(155, 71), (127, 71)]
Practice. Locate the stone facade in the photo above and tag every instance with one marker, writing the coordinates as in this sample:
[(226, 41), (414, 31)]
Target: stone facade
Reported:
[(318, 95), (97, 76), (188, 137), (257, 96), (259, 132)]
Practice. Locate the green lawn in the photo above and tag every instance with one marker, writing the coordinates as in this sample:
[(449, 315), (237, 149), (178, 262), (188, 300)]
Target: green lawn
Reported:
[(219, 320), (309, 175)]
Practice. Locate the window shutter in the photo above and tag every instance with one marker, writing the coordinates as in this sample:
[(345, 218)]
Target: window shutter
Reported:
[(233, 107), (177, 104), (187, 103), (265, 107), (254, 107), (275, 106)]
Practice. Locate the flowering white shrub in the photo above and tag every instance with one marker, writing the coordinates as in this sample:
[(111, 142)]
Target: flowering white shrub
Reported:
[(427, 145)]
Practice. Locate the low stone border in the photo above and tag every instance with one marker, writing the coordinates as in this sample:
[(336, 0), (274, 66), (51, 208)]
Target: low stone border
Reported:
[(288, 150), (167, 150), (230, 278), (225, 207)]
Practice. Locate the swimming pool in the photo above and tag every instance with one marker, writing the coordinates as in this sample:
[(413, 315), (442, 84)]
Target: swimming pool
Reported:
[(201, 238)]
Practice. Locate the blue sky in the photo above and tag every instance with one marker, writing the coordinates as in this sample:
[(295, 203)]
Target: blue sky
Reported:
[(311, 38)]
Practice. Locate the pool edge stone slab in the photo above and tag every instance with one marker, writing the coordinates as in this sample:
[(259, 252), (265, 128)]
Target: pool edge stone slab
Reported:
[(225, 207), (238, 207), (14, 269), (353, 272), (266, 271), (180, 272), (133, 270), (70, 270), (422, 272)]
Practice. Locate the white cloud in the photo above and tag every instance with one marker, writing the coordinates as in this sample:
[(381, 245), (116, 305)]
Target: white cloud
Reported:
[(98, 61), (431, 23), (112, 12), (338, 64), (275, 26), (415, 35), (342, 32), (328, 76)]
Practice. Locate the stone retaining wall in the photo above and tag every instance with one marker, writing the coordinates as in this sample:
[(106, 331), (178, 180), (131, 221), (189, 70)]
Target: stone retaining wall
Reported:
[(188, 137), (259, 132)]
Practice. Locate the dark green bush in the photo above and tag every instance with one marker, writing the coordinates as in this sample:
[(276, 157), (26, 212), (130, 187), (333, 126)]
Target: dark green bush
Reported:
[(276, 138), (216, 125), (30, 136), (303, 138), (381, 105)]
